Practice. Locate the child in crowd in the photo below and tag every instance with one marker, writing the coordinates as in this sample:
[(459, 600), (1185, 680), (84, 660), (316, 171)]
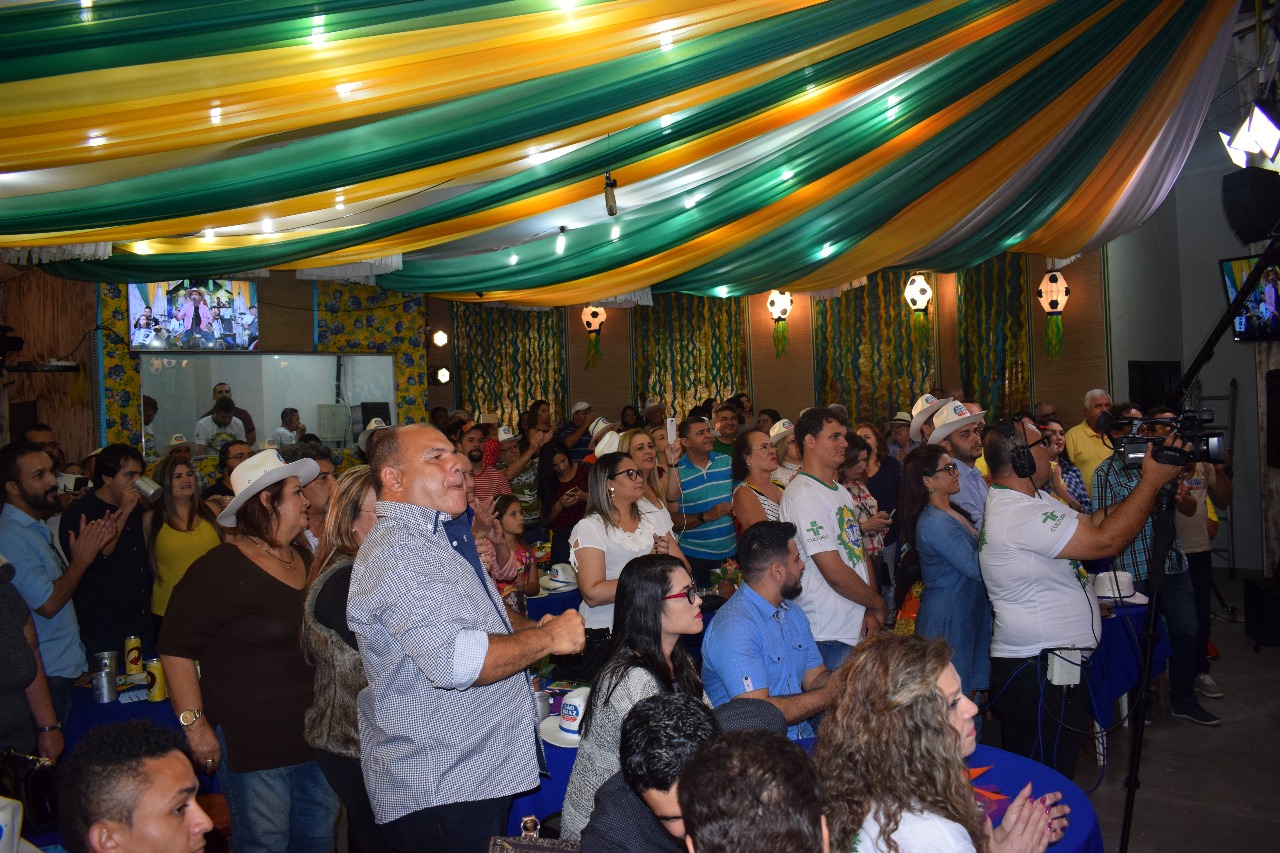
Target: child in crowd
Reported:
[(516, 579)]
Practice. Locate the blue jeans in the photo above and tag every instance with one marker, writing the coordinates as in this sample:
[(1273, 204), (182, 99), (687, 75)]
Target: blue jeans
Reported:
[(282, 810), (833, 653), (1178, 607)]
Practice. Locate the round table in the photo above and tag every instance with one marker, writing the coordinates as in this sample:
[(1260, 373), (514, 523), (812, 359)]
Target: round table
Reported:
[(998, 776)]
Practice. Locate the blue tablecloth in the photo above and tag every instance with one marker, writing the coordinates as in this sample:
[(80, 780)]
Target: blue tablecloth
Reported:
[(553, 603), (1008, 773), (1116, 665)]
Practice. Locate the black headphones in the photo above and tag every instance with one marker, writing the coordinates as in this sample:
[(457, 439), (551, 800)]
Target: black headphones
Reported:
[(1021, 460)]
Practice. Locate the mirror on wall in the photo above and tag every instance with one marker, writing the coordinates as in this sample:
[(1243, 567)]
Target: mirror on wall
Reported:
[(316, 385)]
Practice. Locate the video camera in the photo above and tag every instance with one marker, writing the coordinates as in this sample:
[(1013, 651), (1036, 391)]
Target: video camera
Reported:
[(1203, 445)]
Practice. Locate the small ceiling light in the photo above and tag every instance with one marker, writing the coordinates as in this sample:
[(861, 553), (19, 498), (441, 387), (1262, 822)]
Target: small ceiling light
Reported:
[(666, 41), (208, 233), (1264, 127), (438, 376), (96, 139), (560, 241), (215, 115), (690, 202), (610, 198), (268, 227), (787, 174), (440, 338), (511, 261), (340, 202), (615, 232), (667, 120), (826, 250), (346, 88)]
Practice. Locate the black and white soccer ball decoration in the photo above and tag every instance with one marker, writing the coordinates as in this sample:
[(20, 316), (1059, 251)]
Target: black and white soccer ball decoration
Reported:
[(779, 304), (918, 293), (593, 317)]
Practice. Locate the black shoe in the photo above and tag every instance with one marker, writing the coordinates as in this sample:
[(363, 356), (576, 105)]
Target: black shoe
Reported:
[(1196, 714)]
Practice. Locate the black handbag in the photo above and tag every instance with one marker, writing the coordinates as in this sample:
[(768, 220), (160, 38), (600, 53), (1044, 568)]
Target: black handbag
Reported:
[(32, 781)]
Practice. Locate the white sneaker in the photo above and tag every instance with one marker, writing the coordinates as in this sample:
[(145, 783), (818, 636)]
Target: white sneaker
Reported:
[(1206, 686)]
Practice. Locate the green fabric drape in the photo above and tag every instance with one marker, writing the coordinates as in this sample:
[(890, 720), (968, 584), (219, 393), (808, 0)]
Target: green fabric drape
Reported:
[(864, 352), (506, 358), (50, 39), (687, 348), (992, 309)]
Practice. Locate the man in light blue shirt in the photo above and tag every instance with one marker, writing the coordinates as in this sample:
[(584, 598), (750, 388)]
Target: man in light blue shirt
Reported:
[(959, 432), (759, 645), (448, 725), (40, 575)]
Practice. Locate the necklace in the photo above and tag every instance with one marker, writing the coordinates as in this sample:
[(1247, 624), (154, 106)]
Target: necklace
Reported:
[(288, 564)]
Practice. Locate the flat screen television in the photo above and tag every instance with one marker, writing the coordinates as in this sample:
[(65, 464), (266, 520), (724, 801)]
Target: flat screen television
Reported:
[(193, 314), (1257, 320)]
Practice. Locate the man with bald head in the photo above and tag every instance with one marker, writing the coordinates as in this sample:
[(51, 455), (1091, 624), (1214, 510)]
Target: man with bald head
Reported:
[(448, 726), (1085, 444)]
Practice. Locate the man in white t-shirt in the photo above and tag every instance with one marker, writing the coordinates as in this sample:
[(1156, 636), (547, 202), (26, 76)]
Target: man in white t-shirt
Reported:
[(291, 428), (842, 605), (219, 427), (1030, 551)]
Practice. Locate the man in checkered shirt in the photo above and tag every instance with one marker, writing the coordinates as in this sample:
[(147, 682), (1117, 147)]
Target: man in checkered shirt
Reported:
[(448, 726)]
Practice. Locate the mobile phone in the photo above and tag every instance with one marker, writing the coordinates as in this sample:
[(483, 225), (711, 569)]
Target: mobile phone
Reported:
[(671, 430)]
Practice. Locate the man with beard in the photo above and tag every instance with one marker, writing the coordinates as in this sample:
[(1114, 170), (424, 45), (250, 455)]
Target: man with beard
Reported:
[(489, 481), (319, 490), (759, 646), (959, 432), (40, 575)]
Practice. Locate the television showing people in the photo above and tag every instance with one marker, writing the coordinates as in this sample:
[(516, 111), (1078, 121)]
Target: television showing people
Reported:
[(194, 314)]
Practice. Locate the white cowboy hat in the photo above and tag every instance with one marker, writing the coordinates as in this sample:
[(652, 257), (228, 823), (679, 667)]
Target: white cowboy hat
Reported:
[(268, 444), (179, 440), (559, 577), (781, 430), (259, 471), (373, 426), (950, 419), (923, 410), (608, 443), (562, 730), (1117, 585), (505, 434)]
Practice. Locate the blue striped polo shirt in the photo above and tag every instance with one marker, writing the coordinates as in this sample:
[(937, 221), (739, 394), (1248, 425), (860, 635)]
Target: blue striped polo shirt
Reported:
[(700, 490)]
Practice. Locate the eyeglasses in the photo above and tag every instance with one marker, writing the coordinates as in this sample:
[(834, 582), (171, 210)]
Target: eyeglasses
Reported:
[(690, 593), (629, 473), (949, 468), (1044, 441)]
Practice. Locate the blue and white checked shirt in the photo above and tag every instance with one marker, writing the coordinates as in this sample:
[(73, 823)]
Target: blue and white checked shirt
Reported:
[(1112, 483), (422, 617), (972, 497)]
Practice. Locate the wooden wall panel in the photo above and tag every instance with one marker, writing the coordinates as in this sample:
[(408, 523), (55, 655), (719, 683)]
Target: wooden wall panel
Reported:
[(946, 320), (785, 383), (54, 315), (1084, 363), (608, 385), (286, 313)]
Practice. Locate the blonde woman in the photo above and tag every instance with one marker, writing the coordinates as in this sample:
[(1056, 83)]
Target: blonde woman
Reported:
[(639, 445)]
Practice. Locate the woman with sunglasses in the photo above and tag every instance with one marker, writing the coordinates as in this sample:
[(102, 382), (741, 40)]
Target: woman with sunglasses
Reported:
[(943, 552), (658, 604), (612, 533)]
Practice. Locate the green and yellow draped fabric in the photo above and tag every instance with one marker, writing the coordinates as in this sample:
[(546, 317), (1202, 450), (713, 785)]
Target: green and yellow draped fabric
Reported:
[(992, 318), (865, 354), (506, 358), (796, 144), (686, 349)]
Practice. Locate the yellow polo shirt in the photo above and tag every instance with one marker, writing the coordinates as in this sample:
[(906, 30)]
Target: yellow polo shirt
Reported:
[(1087, 451)]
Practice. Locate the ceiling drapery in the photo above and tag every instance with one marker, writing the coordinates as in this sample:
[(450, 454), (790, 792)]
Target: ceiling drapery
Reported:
[(758, 144)]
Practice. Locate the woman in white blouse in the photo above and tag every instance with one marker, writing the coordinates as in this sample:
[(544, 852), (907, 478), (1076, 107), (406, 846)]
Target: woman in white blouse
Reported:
[(613, 531)]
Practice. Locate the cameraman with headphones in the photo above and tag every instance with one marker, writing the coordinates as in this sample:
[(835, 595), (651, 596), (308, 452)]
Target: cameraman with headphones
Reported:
[(1046, 615)]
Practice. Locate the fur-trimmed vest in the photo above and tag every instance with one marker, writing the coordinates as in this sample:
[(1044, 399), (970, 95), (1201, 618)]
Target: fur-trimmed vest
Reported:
[(330, 723)]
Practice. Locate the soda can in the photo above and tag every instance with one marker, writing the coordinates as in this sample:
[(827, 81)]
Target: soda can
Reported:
[(104, 687), (132, 655), (157, 687), (106, 662), (543, 700)]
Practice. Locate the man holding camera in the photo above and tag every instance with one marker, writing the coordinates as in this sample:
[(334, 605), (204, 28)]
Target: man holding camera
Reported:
[(1046, 615), (1112, 483)]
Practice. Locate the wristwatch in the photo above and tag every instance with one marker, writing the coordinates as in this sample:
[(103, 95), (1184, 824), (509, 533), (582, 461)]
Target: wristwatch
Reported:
[(188, 718)]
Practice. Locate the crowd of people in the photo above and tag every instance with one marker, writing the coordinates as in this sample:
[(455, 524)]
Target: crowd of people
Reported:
[(360, 638)]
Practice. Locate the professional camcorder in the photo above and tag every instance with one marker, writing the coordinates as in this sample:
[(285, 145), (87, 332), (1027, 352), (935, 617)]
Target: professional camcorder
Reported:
[(1133, 435)]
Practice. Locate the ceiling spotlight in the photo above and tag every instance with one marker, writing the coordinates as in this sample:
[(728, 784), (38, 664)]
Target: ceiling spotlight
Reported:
[(610, 200)]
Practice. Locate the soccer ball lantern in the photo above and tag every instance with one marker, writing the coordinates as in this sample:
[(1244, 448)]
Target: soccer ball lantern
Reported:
[(918, 293), (593, 317), (779, 305), (1053, 292)]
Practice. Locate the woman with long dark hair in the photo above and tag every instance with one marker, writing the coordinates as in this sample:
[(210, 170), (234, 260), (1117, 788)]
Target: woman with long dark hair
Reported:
[(883, 479), (180, 530), (330, 726), (1067, 483), (872, 521), (657, 605), (944, 552), (562, 495), (892, 759)]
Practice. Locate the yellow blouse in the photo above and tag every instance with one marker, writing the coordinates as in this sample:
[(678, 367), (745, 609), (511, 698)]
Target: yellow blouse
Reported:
[(176, 550)]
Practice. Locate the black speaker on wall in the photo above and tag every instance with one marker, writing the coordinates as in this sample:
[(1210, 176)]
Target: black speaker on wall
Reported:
[(1273, 418), (1251, 203)]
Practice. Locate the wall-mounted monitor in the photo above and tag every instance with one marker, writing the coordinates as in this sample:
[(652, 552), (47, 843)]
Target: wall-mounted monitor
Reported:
[(193, 315), (1257, 320)]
